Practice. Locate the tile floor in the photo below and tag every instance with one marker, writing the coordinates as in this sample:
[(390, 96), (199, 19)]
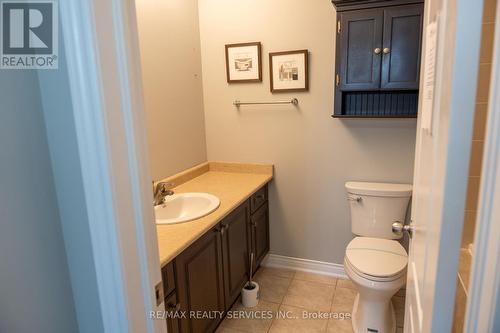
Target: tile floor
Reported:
[(293, 292)]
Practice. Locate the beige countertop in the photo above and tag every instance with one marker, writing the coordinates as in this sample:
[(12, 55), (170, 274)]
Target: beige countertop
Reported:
[(232, 183)]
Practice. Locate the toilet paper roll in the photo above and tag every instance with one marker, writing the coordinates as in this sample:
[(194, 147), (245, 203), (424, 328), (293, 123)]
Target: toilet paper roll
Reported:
[(250, 295)]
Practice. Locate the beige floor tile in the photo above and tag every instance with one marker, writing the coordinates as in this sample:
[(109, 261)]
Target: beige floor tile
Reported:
[(343, 283), (399, 308), (280, 272), (296, 322), (309, 295), (343, 300), (272, 288), (247, 323), (339, 326), (311, 277)]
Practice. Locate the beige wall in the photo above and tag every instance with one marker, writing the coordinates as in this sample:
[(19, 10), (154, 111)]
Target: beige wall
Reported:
[(313, 153), (173, 94)]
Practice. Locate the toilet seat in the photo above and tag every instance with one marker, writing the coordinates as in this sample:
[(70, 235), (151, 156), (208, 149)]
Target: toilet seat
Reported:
[(371, 278), (376, 259)]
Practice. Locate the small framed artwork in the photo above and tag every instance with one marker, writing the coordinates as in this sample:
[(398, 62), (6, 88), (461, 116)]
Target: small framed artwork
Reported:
[(289, 71), (243, 62)]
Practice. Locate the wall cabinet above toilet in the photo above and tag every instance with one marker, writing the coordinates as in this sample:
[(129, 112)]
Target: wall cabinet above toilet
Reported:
[(377, 67)]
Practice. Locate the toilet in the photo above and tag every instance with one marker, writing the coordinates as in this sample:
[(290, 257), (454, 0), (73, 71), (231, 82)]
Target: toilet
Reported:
[(374, 261)]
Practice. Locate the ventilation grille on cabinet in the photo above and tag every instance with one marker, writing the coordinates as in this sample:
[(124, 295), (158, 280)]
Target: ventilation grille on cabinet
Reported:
[(379, 104)]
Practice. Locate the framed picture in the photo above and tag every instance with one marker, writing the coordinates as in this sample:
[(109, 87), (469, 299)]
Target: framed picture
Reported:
[(243, 62), (289, 71)]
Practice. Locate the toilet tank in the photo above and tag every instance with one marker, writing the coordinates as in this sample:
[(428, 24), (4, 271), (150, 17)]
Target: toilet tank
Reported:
[(376, 206)]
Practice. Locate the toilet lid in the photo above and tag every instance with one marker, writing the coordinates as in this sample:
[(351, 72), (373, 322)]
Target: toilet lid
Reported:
[(379, 189), (376, 257)]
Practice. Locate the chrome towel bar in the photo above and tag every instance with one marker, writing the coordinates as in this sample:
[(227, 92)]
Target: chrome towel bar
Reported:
[(293, 101)]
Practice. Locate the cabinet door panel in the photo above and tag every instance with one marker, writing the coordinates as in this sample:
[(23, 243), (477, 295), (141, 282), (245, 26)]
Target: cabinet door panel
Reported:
[(260, 234), (403, 36), (258, 199), (200, 281), (168, 278), (235, 250), (172, 322), (360, 35)]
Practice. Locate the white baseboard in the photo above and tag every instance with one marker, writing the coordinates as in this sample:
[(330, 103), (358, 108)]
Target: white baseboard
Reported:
[(305, 265)]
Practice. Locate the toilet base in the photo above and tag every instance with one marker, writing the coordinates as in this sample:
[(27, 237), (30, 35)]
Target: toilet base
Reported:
[(374, 320)]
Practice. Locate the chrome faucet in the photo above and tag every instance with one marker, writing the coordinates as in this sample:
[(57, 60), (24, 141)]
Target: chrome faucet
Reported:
[(161, 191)]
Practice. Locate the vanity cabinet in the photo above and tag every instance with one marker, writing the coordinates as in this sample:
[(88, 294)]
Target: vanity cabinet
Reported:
[(259, 223), (171, 302), (200, 281), (235, 249), (378, 46), (258, 199), (209, 274)]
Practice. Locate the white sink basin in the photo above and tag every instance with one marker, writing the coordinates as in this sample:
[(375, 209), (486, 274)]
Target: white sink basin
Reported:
[(184, 207)]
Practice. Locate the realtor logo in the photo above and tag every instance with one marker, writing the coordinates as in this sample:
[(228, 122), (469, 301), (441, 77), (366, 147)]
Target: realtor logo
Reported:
[(28, 37)]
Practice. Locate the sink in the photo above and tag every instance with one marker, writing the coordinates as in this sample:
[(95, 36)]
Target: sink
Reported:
[(184, 207)]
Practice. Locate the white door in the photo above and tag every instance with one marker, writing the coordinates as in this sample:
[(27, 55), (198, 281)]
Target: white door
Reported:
[(103, 69), (450, 60)]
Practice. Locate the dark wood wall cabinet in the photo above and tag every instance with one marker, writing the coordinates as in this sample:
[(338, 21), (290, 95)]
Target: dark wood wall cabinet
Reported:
[(209, 274), (378, 45)]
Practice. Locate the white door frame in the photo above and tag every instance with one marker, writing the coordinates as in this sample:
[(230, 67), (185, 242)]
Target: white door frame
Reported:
[(484, 290), (102, 51), (105, 80)]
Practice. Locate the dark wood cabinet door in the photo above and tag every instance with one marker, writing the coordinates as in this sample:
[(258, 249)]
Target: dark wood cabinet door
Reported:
[(235, 240), (360, 36), (168, 278), (258, 198), (200, 281), (260, 233), (173, 322), (401, 47)]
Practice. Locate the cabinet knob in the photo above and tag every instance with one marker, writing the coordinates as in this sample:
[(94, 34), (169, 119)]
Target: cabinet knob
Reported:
[(377, 50), (386, 50)]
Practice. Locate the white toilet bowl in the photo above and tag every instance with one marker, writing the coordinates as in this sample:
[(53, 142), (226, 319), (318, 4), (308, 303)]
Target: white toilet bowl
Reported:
[(377, 267), (375, 262)]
